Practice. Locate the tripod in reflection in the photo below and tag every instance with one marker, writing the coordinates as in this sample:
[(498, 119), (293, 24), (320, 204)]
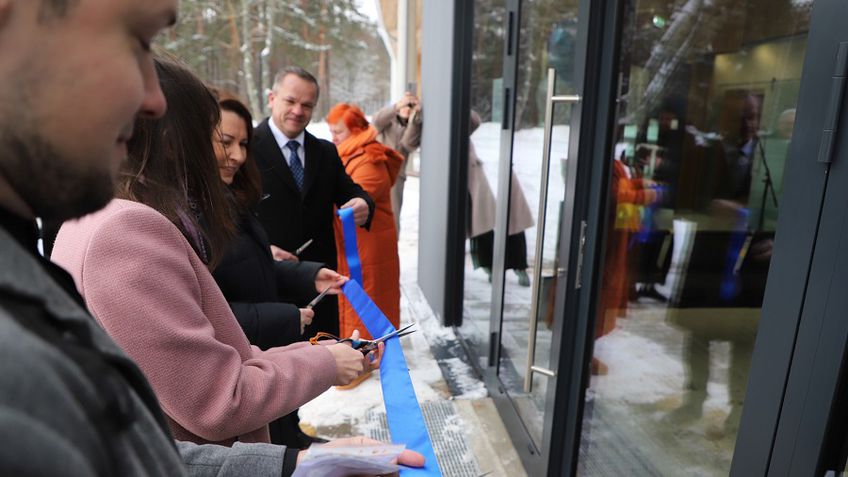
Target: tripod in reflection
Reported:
[(768, 185)]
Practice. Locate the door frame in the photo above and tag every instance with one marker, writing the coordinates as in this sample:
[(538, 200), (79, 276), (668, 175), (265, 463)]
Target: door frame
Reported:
[(588, 65), (811, 386), (575, 306), (763, 440), (794, 244), (764, 435)]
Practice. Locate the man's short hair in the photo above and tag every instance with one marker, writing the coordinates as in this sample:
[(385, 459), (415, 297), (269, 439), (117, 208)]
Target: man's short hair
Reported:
[(300, 73)]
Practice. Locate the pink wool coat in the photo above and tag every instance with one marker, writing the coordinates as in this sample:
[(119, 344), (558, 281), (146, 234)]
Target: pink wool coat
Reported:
[(145, 285)]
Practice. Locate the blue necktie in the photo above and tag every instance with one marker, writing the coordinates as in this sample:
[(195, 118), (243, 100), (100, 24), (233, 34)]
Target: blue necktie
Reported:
[(294, 163)]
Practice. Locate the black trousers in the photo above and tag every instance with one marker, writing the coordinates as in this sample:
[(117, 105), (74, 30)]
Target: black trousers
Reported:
[(482, 250)]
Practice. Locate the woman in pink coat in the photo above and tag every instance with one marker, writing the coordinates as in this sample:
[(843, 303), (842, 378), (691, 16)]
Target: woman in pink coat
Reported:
[(142, 265)]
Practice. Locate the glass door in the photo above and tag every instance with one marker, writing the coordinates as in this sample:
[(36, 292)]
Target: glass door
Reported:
[(704, 116), (536, 184), (487, 117), (525, 99)]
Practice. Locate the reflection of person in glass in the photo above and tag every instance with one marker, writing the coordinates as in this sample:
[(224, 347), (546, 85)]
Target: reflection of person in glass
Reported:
[(739, 155), (481, 218), (741, 250), (658, 157), (630, 195)]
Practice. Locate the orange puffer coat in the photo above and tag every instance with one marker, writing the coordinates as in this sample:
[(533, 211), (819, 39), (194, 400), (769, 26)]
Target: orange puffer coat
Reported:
[(375, 168)]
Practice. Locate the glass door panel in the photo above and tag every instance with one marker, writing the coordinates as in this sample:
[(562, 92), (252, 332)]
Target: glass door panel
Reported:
[(488, 109), (537, 188), (704, 116)]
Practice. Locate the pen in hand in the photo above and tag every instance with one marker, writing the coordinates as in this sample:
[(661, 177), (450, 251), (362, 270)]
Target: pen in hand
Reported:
[(303, 247)]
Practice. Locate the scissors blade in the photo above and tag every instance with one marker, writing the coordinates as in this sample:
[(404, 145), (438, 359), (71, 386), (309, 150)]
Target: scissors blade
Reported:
[(303, 247), (319, 297), (395, 332)]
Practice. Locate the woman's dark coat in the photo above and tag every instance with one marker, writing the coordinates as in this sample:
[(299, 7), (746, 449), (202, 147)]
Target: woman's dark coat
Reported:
[(261, 291)]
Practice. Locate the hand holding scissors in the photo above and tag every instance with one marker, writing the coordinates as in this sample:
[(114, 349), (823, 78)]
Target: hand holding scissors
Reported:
[(365, 346)]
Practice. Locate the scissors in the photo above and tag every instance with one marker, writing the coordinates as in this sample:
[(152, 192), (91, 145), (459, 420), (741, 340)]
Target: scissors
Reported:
[(365, 346), (318, 298)]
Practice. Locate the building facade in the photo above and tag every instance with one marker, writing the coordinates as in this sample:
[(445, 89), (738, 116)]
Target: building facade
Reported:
[(645, 255)]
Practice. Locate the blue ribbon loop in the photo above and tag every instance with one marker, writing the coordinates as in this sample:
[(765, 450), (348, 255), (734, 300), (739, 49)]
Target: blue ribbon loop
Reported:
[(403, 414), (351, 249)]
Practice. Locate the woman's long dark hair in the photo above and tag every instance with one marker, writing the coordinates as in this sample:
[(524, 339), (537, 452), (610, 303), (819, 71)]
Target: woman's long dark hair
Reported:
[(171, 164), (247, 183)]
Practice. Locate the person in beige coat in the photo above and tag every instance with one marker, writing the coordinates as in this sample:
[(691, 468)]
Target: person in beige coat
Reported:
[(481, 219), (399, 127)]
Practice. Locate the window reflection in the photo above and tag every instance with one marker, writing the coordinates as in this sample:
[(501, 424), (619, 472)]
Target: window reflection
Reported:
[(704, 117), (484, 151)]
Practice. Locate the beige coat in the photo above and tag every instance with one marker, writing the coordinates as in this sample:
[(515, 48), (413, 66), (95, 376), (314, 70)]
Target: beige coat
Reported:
[(401, 138), (483, 204)]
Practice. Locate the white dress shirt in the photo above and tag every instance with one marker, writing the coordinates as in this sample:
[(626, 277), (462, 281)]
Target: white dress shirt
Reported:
[(282, 140)]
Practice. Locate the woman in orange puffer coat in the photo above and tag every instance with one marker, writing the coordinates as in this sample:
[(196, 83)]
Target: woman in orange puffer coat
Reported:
[(375, 168)]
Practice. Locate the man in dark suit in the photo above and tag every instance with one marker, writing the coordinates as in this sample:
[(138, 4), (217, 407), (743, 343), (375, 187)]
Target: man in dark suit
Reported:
[(303, 178)]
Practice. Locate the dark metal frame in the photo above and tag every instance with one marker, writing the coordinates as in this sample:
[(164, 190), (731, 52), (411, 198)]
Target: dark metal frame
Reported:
[(560, 409), (591, 185), (461, 105), (520, 435), (810, 410), (510, 77), (768, 442)]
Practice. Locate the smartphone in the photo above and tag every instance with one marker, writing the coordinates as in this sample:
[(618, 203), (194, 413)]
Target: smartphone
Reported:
[(412, 87)]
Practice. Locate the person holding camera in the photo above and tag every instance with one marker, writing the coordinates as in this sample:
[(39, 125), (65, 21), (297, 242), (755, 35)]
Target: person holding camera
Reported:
[(399, 127)]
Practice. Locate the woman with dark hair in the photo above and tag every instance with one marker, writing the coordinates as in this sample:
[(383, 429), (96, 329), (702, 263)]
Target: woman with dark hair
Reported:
[(374, 167), (255, 285), (142, 264)]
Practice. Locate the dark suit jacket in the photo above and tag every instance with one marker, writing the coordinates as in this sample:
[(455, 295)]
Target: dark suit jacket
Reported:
[(256, 286), (291, 217)]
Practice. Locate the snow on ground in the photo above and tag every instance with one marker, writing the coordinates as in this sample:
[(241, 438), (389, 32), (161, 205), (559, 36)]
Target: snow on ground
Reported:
[(343, 412), (527, 166)]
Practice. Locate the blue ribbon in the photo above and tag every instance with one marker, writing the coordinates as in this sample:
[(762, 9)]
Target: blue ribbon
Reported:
[(730, 286), (406, 423), (646, 228), (351, 249)]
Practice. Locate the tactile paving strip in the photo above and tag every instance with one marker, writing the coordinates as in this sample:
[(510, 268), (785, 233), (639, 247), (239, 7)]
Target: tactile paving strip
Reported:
[(447, 432)]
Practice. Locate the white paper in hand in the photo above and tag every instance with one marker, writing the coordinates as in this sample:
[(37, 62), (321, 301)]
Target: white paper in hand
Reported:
[(324, 461)]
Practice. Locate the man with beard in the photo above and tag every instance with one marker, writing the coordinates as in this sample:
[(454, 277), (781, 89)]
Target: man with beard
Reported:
[(73, 76)]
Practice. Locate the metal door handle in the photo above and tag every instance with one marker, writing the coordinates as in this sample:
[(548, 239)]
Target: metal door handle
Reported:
[(540, 226)]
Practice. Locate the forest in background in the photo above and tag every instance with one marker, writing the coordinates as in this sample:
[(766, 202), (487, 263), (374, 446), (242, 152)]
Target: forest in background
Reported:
[(239, 45)]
